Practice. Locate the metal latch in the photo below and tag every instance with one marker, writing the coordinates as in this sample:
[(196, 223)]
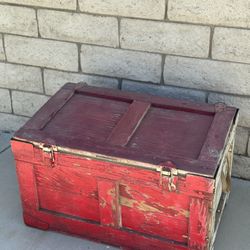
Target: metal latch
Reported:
[(48, 154), (171, 184), (169, 169)]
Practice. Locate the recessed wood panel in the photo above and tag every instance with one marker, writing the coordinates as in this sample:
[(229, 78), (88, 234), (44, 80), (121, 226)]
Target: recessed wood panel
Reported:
[(85, 118), (67, 191), (154, 212), (166, 132)]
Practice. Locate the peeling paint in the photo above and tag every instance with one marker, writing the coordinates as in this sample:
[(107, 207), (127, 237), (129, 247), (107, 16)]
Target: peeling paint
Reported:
[(142, 206), (181, 211), (103, 203)]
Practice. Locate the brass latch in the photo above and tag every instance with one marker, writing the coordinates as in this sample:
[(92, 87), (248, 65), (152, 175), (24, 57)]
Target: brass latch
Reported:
[(48, 154), (169, 169), (171, 184)]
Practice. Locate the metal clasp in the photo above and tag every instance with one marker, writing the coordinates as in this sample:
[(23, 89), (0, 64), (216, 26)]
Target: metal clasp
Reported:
[(48, 154), (171, 184), (169, 169)]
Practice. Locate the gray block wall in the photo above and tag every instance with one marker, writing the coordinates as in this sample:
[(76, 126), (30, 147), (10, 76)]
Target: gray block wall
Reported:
[(187, 49)]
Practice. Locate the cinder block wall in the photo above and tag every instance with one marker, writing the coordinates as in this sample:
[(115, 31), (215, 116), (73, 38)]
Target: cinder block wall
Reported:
[(188, 49)]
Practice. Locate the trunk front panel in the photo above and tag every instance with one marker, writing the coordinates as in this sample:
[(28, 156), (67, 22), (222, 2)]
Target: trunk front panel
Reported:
[(85, 195)]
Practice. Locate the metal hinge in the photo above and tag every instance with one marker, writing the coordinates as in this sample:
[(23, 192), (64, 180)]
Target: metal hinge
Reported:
[(48, 154)]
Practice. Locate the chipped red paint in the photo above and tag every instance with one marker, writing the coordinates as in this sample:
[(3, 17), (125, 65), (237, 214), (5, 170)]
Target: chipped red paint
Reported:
[(99, 178), (109, 207), (199, 222)]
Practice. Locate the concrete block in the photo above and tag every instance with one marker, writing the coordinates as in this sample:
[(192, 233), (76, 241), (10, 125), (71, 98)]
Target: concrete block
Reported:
[(240, 102), (231, 45), (2, 54), (57, 4), (165, 91), (241, 141), (78, 27), (149, 9), (5, 102), (241, 167), (18, 20), (223, 12), (210, 75), (10, 122), (20, 77), (165, 38), (121, 63), (54, 80), (27, 103), (41, 52)]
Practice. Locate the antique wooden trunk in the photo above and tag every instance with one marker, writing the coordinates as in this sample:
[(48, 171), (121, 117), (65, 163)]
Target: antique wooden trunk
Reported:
[(130, 170)]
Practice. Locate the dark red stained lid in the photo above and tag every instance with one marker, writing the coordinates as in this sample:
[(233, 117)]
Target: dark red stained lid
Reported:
[(142, 128)]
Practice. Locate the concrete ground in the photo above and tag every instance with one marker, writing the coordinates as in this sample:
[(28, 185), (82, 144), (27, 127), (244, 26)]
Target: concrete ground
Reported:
[(234, 231)]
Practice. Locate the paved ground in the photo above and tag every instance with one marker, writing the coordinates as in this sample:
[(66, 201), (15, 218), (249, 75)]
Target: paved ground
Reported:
[(234, 232)]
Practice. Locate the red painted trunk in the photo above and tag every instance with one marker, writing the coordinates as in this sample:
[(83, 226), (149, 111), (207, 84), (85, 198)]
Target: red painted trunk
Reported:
[(130, 170)]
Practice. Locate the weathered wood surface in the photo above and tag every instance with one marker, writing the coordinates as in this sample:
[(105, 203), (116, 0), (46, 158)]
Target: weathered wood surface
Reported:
[(138, 127), (129, 170), (122, 205), (127, 125), (109, 206)]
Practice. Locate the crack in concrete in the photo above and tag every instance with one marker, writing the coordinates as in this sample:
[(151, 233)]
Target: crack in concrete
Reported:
[(5, 149)]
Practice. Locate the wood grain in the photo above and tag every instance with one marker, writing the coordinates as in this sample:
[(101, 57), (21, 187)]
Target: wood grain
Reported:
[(136, 171), (131, 126), (128, 124), (110, 213)]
